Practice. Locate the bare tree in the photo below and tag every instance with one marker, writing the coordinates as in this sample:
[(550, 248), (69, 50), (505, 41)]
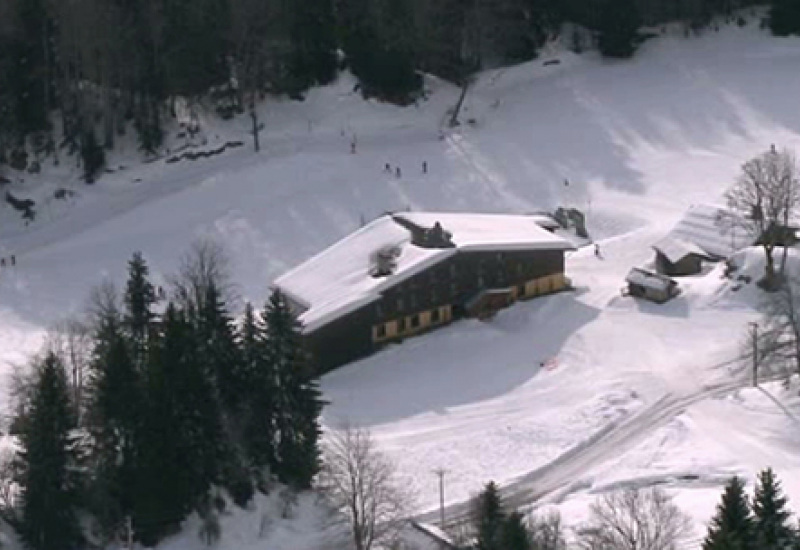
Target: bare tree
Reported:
[(547, 532), (71, 341), (778, 341), (762, 202), (206, 264), (358, 483), (8, 486), (635, 519)]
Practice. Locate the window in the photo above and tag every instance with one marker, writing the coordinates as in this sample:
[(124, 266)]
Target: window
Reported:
[(399, 304), (379, 310), (415, 321), (520, 290), (434, 296), (413, 301), (401, 325), (380, 331), (435, 317)]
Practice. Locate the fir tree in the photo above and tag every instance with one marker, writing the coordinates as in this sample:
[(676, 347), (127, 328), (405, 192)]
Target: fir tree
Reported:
[(297, 398), (313, 36), (181, 441), (48, 494), (515, 534), (771, 518), (489, 519), (618, 28), (223, 366), (259, 399), (93, 156), (784, 17), (116, 410), (139, 299), (732, 526), (220, 351)]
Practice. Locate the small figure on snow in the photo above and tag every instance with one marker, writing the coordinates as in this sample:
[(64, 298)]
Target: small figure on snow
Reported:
[(2, 262), (597, 251), (424, 167), (13, 260), (773, 150), (398, 172), (353, 147), (387, 168), (566, 182)]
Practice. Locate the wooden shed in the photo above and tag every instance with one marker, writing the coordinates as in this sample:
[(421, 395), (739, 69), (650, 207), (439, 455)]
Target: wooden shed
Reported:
[(676, 257), (651, 286)]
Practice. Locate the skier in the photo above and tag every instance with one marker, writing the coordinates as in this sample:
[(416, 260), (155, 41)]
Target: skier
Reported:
[(397, 172), (387, 168), (2, 262), (13, 260), (424, 167), (597, 250)]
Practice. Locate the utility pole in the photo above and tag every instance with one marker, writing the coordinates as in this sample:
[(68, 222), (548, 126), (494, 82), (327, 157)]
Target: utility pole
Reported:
[(440, 472), (754, 335)]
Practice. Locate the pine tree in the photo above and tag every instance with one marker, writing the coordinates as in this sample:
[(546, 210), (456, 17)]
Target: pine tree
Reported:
[(139, 299), (297, 398), (182, 440), (515, 534), (732, 526), (116, 410), (258, 413), (222, 364), (219, 350), (489, 519), (771, 518), (48, 494), (618, 28), (784, 17), (93, 156), (313, 37)]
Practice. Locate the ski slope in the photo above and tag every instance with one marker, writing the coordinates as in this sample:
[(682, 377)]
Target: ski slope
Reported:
[(633, 393)]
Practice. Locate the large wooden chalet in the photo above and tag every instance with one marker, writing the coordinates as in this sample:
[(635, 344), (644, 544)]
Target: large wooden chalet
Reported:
[(410, 272)]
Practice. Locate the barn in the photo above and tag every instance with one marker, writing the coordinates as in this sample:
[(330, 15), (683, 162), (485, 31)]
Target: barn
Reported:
[(406, 273)]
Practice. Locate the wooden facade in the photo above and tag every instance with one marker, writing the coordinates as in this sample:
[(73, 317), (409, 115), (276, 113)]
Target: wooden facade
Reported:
[(437, 296)]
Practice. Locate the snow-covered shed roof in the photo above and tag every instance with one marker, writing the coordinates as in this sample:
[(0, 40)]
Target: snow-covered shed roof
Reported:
[(648, 279), (675, 249), (340, 279), (700, 226)]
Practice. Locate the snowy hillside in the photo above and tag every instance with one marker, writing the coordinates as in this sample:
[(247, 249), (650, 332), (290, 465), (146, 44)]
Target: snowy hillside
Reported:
[(632, 393)]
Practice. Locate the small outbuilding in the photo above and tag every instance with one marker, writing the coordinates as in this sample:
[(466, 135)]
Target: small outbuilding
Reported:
[(676, 257), (651, 286)]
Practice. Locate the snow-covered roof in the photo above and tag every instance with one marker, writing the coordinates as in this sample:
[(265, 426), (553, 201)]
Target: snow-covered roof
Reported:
[(700, 226), (648, 279), (675, 249), (339, 279)]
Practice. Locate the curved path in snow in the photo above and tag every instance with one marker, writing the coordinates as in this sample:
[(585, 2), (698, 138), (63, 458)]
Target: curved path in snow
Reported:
[(614, 440)]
